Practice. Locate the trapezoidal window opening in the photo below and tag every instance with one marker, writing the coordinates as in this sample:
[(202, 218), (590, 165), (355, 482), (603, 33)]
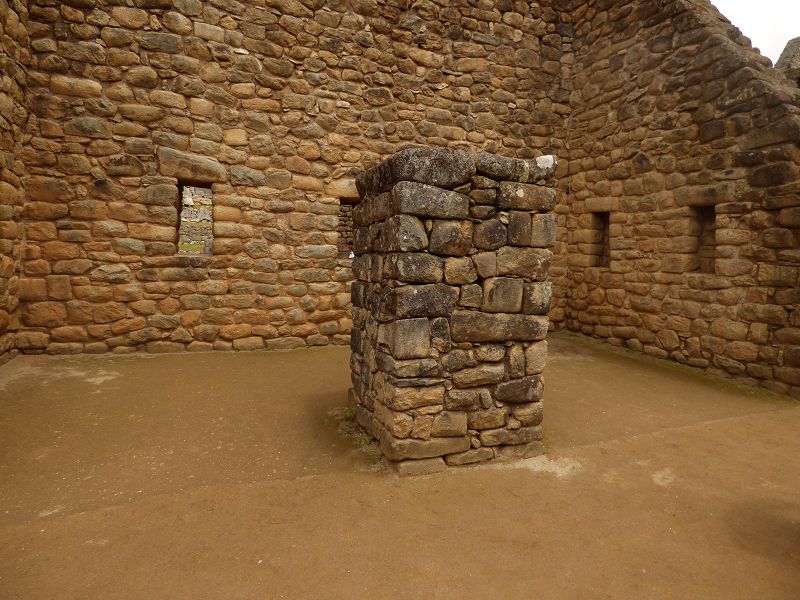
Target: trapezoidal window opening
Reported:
[(601, 242), (195, 221), (706, 226)]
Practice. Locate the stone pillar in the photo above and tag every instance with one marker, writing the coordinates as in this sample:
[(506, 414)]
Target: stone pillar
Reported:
[(450, 305)]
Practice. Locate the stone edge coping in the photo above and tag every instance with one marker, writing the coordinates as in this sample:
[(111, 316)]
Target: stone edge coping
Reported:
[(449, 168)]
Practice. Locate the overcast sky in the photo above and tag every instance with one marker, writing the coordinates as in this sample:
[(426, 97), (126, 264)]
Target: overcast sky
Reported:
[(768, 23)]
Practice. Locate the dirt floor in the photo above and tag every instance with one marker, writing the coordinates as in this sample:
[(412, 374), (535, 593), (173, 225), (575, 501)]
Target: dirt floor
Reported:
[(216, 476)]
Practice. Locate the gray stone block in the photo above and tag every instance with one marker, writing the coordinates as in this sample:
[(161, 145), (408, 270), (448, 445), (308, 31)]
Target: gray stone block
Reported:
[(434, 300), (474, 326), (520, 391), (428, 201), (403, 233), (414, 267), (502, 295), (409, 338), (532, 263), (537, 297), (490, 235), (451, 238), (543, 231), (525, 196)]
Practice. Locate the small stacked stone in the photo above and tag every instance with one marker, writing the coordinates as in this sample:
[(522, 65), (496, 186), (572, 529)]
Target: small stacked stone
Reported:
[(195, 233), (450, 305)]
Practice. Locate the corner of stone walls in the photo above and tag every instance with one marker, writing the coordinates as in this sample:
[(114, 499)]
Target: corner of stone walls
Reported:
[(450, 306), (683, 140), (14, 61)]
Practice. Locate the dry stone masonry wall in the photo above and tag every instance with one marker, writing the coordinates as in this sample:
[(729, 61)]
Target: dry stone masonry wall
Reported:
[(450, 305), (273, 105), (14, 61), (685, 141)]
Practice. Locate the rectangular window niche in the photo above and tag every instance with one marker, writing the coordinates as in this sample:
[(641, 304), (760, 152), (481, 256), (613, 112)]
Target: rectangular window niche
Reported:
[(706, 217), (601, 224), (195, 229)]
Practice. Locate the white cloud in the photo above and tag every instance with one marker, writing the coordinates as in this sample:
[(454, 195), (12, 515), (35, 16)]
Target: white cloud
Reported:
[(768, 23)]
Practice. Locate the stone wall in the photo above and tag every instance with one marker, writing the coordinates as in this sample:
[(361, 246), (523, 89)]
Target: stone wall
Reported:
[(274, 106), (14, 60), (681, 136), (345, 229), (450, 304)]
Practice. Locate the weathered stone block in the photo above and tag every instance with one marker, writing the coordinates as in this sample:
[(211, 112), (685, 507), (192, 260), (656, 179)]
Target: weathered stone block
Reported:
[(532, 263), (400, 449), (44, 314), (535, 358), (537, 298), (519, 391), (469, 457), (424, 367), (502, 295), (491, 418), (435, 300), (91, 127), (471, 296), (403, 233), (467, 399), (414, 267), (440, 167), (502, 168), (192, 168), (459, 271), (409, 338), (473, 326), (485, 374), (449, 424), (427, 201), (490, 235), (506, 437), (397, 423), (406, 398), (451, 238), (519, 228), (543, 231), (520, 451), (485, 263), (528, 414), (523, 196), (75, 86)]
